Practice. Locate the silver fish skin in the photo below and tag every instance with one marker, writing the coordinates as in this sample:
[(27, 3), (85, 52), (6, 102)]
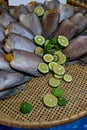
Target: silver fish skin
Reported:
[(75, 19), (4, 65), (15, 27), (2, 36), (8, 93), (79, 10), (5, 18), (67, 29), (11, 79), (82, 24), (65, 12), (16, 41), (26, 62), (18, 10), (50, 21), (52, 4), (76, 48), (32, 5), (32, 22)]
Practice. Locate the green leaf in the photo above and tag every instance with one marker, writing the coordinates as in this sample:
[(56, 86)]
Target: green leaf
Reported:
[(62, 101)]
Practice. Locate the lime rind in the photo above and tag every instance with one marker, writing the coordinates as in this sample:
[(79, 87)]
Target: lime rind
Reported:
[(57, 92), (50, 100), (62, 101), (25, 108)]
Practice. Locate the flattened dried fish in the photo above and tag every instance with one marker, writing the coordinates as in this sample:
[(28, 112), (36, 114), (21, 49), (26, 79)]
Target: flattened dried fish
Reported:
[(15, 41), (76, 48), (24, 61), (50, 22), (11, 79), (32, 22), (67, 28), (18, 28)]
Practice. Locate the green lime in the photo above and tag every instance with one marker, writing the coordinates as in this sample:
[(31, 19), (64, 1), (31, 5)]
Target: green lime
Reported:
[(39, 40), (58, 69), (57, 92), (25, 108), (48, 58), (63, 41), (43, 68), (39, 51), (53, 82), (62, 101), (51, 64), (50, 100), (39, 10), (67, 78)]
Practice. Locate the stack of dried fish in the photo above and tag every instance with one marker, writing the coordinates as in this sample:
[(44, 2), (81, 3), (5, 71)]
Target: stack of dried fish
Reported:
[(19, 25)]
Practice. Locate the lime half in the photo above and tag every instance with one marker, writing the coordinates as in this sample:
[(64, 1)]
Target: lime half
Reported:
[(50, 100), (39, 40), (51, 64), (43, 68), (63, 41), (39, 51), (59, 69), (53, 82), (67, 78), (39, 10), (48, 58)]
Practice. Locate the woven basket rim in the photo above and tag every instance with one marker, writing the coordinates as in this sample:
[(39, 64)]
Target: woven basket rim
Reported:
[(47, 124)]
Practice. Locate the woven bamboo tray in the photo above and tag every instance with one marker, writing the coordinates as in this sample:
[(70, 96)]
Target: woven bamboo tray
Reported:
[(40, 116)]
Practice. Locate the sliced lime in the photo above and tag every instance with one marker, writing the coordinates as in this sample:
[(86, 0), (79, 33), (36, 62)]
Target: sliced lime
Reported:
[(62, 101), (39, 51), (58, 69), (63, 41), (25, 108), (43, 68), (67, 78), (57, 92), (39, 40), (50, 100), (48, 58), (61, 57), (39, 10), (53, 82), (58, 76), (51, 64)]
